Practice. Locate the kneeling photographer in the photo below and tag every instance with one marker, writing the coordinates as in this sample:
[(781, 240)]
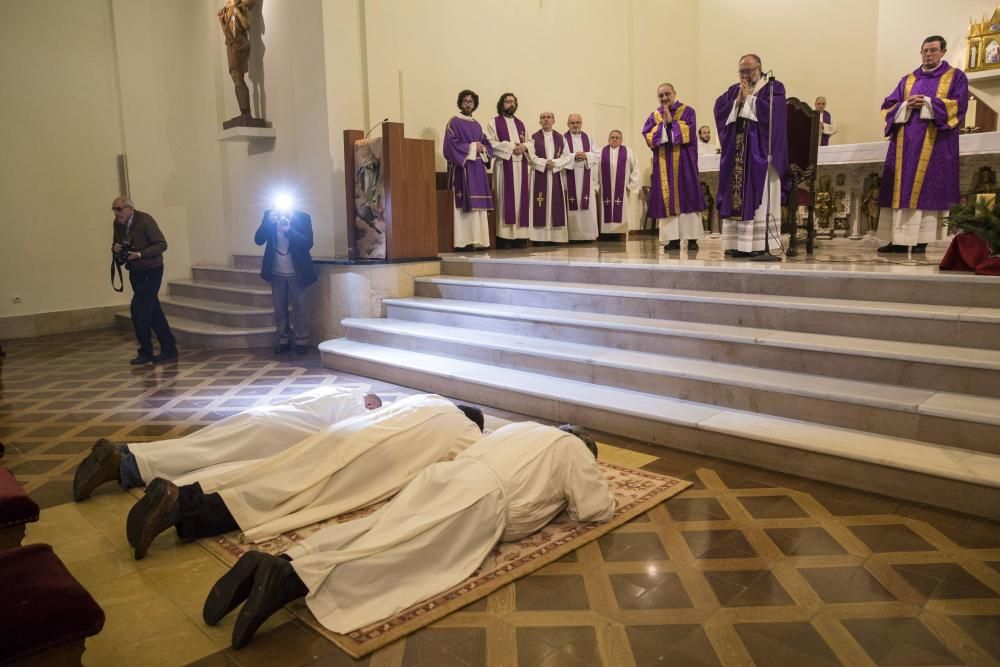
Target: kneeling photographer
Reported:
[(288, 266), (139, 244)]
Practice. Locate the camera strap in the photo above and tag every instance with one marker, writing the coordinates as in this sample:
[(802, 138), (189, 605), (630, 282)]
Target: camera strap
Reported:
[(121, 282)]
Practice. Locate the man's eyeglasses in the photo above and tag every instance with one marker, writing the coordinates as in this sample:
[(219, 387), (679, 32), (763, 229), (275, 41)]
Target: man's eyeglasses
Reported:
[(119, 209), (747, 72)]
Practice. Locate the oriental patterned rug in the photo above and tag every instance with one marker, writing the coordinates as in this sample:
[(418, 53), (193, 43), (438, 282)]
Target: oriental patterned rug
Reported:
[(636, 492)]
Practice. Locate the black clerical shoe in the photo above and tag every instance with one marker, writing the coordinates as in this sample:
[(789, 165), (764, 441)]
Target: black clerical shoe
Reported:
[(99, 466), (281, 348), (142, 360), (739, 254), (152, 515), (729, 253), (891, 248), (230, 591), (301, 349), (275, 584), (673, 245), (919, 249), (167, 358), (692, 244)]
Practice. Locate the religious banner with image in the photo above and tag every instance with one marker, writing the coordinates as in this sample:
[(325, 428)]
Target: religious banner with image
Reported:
[(369, 197)]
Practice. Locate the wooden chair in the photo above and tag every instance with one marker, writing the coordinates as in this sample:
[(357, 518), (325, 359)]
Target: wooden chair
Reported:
[(803, 153)]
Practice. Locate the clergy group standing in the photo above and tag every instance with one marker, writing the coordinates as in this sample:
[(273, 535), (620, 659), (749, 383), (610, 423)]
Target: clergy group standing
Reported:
[(920, 180)]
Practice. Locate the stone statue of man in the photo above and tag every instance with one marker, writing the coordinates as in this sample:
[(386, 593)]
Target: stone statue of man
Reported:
[(234, 18)]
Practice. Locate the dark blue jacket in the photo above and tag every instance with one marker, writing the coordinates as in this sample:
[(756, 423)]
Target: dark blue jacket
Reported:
[(300, 241)]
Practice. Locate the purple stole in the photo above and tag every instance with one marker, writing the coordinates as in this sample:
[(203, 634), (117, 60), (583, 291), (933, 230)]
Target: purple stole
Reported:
[(539, 193), (571, 181), (824, 139), (613, 204), (508, 174)]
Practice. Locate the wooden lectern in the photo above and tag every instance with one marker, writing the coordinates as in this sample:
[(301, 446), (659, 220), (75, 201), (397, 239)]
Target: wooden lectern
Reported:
[(408, 195)]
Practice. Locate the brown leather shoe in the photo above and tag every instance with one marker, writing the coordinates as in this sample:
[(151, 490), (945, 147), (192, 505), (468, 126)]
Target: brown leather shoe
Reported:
[(101, 465), (151, 515)]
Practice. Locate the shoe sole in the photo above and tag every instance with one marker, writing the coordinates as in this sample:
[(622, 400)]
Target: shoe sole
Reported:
[(146, 515), (251, 616), (84, 481), (232, 589)]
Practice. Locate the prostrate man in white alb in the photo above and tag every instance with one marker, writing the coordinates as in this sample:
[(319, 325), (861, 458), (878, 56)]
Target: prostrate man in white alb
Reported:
[(238, 440), (618, 182), (345, 467), (431, 537), (550, 159), (511, 174), (581, 182)]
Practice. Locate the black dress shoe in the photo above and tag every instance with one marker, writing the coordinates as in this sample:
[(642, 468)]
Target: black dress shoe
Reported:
[(673, 245), (152, 515), (165, 358), (729, 253), (692, 244), (892, 247), (739, 254), (920, 249), (142, 360), (301, 349), (281, 348), (99, 466), (232, 589), (275, 584)]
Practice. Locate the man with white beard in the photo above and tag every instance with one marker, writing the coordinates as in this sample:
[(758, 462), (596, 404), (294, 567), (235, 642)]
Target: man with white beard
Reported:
[(237, 440), (618, 183), (511, 175), (347, 466), (550, 159), (580, 182), (429, 538)]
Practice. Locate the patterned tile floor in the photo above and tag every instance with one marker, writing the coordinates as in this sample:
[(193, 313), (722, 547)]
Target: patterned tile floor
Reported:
[(746, 567)]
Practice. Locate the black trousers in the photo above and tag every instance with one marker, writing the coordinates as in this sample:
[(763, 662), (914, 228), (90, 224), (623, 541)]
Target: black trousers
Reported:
[(147, 315), (202, 514)]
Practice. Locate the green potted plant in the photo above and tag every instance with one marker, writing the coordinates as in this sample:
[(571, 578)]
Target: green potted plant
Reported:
[(981, 218)]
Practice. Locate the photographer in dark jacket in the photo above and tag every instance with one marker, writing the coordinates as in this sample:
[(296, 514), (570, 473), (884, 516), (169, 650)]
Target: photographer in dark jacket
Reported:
[(145, 243), (288, 266)]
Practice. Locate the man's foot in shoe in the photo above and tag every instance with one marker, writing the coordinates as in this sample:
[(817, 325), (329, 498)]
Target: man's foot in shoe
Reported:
[(281, 348), (165, 358), (892, 247), (230, 591), (739, 254), (301, 349), (143, 359), (673, 245), (692, 244), (728, 253), (275, 584), (99, 466), (153, 514), (920, 249)]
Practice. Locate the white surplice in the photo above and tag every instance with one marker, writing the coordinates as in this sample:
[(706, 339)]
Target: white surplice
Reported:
[(441, 527), (247, 437), (345, 467), (503, 151), (559, 166), (630, 217), (582, 223)]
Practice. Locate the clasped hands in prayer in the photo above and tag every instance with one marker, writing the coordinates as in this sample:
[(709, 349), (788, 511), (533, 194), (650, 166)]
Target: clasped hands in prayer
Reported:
[(914, 101)]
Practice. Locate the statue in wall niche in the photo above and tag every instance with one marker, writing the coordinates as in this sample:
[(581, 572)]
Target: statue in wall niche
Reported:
[(869, 203), (824, 206), (706, 215), (985, 180), (234, 17)]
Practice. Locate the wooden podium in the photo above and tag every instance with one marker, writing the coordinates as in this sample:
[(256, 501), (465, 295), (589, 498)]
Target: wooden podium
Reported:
[(408, 207)]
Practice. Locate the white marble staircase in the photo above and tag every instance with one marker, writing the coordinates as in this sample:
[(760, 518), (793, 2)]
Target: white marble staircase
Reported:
[(220, 307), (884, 381)]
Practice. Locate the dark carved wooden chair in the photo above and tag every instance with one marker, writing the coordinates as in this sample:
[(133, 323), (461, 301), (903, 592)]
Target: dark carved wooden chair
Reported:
[(803, 152)]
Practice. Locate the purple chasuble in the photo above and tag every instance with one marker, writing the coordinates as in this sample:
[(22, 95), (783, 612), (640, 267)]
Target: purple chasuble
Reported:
[(675, 186), (613, 201), (921, 165), (508, 174), (824, 139), (571, 178), (467, 177), (539, 192), (743, 165)]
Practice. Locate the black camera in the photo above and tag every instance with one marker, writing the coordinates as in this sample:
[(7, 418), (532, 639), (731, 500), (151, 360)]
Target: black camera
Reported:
[(121, 257)]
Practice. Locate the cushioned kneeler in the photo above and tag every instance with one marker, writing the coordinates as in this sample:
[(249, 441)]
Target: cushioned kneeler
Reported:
[(16, 510), (42, 607)]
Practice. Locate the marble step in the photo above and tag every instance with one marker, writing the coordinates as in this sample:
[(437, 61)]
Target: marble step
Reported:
[(251, 262), (875, 282), (940, 367), (259, 297), (217, 312), (228, 275), (917, 323), (194, 333), (958, 479), (968, 422)]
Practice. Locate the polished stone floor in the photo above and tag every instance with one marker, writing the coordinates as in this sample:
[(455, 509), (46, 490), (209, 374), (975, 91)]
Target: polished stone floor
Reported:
[(746, 567)]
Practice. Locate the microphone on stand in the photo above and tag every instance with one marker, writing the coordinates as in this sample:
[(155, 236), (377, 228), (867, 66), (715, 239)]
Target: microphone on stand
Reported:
[(378, 124)]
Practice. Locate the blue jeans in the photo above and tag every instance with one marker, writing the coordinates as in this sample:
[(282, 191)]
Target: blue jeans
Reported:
[(128, 470)]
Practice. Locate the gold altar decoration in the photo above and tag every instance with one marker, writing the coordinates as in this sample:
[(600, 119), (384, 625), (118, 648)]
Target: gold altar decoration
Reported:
[(984, 43)]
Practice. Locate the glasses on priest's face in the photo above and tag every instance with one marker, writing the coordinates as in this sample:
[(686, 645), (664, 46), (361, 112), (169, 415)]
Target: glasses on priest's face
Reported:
[(119, 209), (747, 72)]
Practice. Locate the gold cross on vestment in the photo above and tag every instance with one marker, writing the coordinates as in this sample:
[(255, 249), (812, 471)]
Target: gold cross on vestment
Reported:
[(540, 199)]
